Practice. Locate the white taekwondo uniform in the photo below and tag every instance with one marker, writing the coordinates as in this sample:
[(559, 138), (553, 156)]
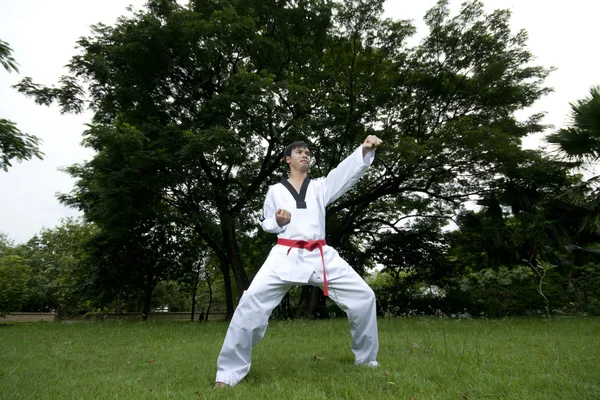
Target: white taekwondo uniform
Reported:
[(301, 266)]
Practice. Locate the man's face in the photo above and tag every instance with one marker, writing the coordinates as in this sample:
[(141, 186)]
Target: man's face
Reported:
[(300, 159)]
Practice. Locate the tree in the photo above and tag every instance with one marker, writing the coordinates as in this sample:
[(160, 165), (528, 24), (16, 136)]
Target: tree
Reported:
[(210, 99), (13, 142), (131, 260), (526, 224), (5, 244), (207, 96), (202, 270), (446, 113), (581, 143), (413, 252), (61, 279), (14, 274)]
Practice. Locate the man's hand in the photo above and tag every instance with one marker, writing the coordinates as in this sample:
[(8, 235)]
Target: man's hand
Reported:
[(283, 217), (371, 143)]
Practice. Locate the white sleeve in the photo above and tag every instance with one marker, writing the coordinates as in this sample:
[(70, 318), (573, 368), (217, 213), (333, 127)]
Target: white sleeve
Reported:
[(268, 220), (346, 174)]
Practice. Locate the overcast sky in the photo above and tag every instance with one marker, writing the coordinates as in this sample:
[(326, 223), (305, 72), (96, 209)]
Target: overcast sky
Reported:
[(43, 33)]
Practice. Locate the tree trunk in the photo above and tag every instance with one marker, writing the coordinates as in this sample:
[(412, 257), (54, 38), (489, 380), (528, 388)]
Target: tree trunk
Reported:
[(312, 300), (150, 285), (228, 292), (288, 312), (233, 252), (194, 290), (193, 303), (210, 297), (59, 310), (224, 266), (282, 310), (146, 309)]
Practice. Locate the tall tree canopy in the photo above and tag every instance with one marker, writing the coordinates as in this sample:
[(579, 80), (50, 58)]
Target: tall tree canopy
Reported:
[(194, 104)]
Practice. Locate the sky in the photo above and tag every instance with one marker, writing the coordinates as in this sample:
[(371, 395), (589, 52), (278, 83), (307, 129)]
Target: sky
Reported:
[(43, 37)]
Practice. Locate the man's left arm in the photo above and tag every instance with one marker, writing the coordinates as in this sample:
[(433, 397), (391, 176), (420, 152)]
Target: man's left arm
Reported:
[(350, 170)]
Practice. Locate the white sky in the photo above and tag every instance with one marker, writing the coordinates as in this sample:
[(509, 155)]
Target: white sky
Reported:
[(43, 33)]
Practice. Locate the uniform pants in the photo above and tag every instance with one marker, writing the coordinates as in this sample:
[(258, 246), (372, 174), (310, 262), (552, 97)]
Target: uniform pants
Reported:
[(251, 317)]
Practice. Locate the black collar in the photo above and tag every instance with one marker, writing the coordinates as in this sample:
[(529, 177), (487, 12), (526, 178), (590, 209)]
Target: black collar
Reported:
[(299, 197)]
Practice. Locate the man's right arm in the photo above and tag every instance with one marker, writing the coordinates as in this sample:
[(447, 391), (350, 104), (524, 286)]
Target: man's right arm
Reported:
[(268, 220)]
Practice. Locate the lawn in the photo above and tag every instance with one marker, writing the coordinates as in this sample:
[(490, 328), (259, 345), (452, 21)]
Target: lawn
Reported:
[(421, 358)]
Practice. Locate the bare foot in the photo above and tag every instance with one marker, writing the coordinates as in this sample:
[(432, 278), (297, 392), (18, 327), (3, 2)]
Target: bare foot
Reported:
[(220, 385)]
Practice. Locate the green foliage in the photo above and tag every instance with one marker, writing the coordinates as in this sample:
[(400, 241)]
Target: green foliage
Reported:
[(14, 144), (496, 293), (194, 104), (60, 264), (400, 294), (585, 292), (169, 295), (14, 274), (581, 142), (6, 58), (5, 244), (415, 250), (181, 102), (527, 223)]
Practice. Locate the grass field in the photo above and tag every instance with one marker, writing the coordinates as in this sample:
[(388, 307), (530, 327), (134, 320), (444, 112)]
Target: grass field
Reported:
[(421, 358)]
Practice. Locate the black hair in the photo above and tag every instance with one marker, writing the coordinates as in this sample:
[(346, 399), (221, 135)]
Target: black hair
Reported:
[(295, 145)]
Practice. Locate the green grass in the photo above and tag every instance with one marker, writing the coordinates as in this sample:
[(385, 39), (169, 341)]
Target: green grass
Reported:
[(421, 358)]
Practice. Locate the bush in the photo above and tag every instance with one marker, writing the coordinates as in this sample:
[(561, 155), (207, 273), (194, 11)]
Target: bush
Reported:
[(399, 297), (585, 291), (504, 292), (488, 292)]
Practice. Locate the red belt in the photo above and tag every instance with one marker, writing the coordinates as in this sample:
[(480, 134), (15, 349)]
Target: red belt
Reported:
[(310, 246)]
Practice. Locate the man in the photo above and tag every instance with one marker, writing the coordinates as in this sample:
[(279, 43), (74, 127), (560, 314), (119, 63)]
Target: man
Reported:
[(295, 210)]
